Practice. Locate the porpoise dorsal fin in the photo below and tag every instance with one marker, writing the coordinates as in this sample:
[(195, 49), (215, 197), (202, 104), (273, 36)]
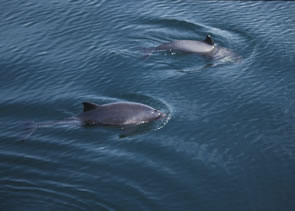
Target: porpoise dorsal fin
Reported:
[(89, 106), (209, 40)]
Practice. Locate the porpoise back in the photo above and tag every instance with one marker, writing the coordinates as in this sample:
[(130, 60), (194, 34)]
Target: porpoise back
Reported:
[(190, 46), (117, 114)]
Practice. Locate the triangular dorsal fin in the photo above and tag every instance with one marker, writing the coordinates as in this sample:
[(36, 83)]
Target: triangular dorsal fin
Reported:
[(209, 40), (89, 106)]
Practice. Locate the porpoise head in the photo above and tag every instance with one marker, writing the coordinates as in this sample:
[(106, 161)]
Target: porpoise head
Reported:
[(145, 114), (153, 114)]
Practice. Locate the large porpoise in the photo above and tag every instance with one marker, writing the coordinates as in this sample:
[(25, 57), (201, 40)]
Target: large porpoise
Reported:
[(120, 114)]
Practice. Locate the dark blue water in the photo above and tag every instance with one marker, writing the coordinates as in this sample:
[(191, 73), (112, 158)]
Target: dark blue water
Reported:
[(229, 141)]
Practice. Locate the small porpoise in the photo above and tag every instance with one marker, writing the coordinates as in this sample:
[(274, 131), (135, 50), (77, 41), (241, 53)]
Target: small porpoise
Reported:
[(118, 114), (206, 48), (122, 114), (190, 46)]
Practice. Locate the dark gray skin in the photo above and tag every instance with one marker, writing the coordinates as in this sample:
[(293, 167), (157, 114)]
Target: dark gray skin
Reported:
[(113, 114), (118, 114), (190, 46)]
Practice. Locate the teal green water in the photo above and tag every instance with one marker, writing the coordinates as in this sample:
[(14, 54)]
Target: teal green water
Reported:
[(228, 143)]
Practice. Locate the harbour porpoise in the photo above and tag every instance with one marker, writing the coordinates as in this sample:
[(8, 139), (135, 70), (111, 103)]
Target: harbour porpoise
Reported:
[(206, 48), (118, 114), (122, 114), (190, 46)]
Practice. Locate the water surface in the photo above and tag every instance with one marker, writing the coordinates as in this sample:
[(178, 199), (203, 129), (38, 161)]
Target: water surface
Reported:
[(229, 141)]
